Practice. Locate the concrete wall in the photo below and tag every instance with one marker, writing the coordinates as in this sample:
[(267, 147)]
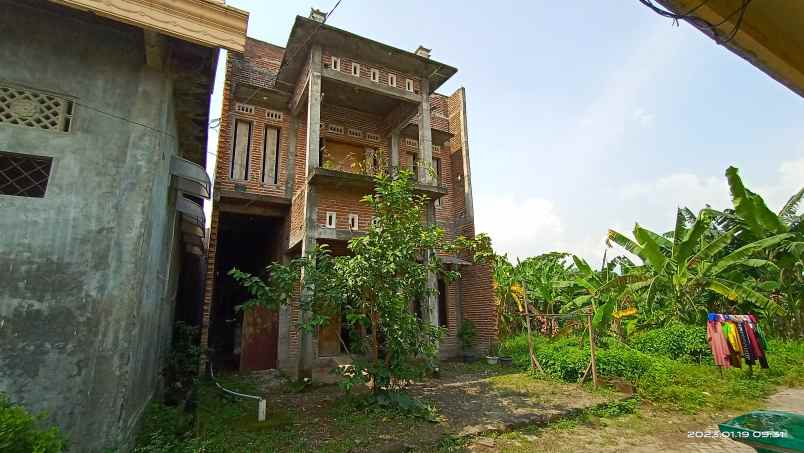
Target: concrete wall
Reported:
[(86, 300)]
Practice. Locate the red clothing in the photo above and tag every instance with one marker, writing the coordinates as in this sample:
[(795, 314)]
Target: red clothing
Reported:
[(720, 350)]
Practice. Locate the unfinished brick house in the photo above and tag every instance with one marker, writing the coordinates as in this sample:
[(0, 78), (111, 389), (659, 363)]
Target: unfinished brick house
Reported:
[(300, 127)]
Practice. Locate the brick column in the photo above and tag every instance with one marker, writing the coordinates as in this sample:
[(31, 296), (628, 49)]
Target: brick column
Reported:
[(209, 284)]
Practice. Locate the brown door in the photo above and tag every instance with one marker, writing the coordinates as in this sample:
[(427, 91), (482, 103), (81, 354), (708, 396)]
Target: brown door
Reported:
[(329, 343), (259, 339)]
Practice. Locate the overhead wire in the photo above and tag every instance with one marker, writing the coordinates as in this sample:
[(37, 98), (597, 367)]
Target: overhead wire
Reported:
[(714, 29)]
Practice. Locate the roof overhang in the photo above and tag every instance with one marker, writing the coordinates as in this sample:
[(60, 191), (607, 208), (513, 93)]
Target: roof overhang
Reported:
[(210, 23), (306, 32), (770, 37)]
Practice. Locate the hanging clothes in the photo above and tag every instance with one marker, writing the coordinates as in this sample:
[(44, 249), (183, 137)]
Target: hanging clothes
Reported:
[(720, 350), (745, 344), (733, 338), (756, 346)]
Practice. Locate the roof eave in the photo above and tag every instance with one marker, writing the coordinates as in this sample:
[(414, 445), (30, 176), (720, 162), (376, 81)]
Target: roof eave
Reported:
[(402, 60)]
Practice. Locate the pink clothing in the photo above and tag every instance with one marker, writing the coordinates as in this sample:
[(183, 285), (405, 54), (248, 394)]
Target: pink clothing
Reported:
[(720, 351)]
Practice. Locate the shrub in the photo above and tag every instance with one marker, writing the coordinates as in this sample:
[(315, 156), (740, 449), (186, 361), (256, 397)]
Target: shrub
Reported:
[(677, 341), (21, 432)]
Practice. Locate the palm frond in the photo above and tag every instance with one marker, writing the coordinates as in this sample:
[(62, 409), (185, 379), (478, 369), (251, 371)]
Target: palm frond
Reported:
[(789, 211)]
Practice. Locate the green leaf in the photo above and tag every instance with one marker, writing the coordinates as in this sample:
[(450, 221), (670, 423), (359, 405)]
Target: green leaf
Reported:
[(745, 251), (603, 314), (650, 249), (789, 211), (751, 208), (712, 248), (626, 243)]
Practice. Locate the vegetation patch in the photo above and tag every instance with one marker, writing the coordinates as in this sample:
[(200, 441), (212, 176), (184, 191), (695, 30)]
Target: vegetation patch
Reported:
[(662, 379), (22, 432)]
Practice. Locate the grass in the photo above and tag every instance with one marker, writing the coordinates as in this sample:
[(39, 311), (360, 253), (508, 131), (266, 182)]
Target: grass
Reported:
[(225, 424), (672, 383), (677, 394)]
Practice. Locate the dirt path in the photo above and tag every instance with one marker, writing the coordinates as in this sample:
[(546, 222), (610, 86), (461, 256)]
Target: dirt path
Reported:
[(469, 399), (481, 402), (648, 431)]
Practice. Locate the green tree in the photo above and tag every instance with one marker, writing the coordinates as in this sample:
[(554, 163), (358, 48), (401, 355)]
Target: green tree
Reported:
[(753, 220), (681, 274), (375, 288)]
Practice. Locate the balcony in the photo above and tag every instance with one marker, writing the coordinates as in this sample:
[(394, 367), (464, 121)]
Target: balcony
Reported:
[(344, 179), (439, 128)]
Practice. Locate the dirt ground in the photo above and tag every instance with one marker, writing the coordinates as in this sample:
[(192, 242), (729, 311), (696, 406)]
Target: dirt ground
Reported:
[(470, 400), (648, 431)]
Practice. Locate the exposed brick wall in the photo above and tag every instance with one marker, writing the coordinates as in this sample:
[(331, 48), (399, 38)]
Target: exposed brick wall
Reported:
[(296, 218), (209, 286), (343, 202), (365, 71), (478, 303), (254, 183), (366, 123), (257, 67)]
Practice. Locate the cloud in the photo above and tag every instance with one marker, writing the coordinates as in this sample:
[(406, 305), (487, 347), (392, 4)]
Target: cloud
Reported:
[(656, 201), (642, 117), (528, 226), (521, 227), (789, 181)]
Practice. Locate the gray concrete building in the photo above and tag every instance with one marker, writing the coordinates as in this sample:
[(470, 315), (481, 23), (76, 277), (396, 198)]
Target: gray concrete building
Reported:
[(104, 112)]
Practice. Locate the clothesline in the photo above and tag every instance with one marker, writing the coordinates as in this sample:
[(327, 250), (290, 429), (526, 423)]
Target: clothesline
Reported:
[(733, 338)]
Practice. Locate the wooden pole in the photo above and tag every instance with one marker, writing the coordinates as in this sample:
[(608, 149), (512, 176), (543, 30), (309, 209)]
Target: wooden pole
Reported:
[(592, 347), (534, 364)]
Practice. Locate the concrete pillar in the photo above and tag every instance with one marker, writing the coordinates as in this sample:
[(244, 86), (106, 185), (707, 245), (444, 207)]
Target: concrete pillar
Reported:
[(314, 109), (467, 170), (425, 135), (431, 307), (306, 352)]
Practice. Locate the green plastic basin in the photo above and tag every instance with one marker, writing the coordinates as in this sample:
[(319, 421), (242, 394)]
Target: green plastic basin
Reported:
[(767, 431)]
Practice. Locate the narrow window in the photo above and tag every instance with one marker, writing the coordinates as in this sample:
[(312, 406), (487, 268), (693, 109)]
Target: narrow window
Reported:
[(375, 75), (414, 166), (240, 150), (336, 63), (23, 175), (68, 116), (270, 156), (355, 69), (437, 169), (331, 220), (409, 85), (392, 80), (442, 303), (354, 223)]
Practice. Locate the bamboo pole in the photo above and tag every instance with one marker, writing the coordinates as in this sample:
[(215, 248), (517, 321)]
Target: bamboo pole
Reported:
[(592, 348), (534, 364)]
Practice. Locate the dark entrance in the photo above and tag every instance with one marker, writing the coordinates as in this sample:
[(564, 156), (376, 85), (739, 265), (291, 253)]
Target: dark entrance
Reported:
[(238, 340)]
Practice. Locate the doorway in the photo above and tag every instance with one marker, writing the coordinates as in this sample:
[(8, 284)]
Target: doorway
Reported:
[(243, 340)]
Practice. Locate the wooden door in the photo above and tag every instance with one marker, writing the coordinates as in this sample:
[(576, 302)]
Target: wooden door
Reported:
[(259, 339)]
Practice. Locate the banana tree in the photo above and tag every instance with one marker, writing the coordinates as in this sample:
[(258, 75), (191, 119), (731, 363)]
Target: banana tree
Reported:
[(752, 217), (689, 275)]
